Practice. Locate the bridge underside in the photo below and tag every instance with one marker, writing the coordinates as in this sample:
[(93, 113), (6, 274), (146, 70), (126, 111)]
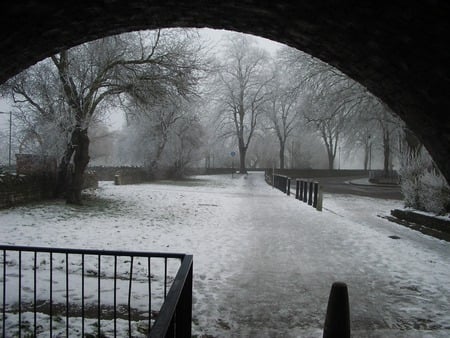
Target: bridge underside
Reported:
[(399, 53)]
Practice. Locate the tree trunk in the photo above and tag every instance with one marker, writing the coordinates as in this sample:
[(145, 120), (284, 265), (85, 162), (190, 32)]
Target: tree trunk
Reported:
[(242, 154), (63, 178), (330, 161), (282, 146), (366, 156), (80, 142)]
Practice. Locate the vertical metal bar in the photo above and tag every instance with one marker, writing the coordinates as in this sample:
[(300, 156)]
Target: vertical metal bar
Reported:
[(165, 277), (297, 189), (20, 293), (98, 295), (67, 294), (4, 294), (82, 295), (129, 297), (51, 294), (288, 186), (115, 296), (183, 324), (149, 294), (34, 294), (10, 138)]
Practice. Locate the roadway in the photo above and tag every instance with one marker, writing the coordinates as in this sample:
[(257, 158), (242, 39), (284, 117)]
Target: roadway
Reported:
[(359, 186)]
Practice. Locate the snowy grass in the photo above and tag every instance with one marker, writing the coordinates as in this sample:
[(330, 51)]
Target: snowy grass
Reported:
[(263, 262)]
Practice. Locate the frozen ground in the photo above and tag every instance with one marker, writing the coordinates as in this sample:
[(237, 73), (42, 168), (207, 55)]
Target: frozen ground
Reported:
[(263, 262)]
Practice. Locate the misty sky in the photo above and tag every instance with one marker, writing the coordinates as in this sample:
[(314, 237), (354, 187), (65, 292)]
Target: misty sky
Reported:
[(214, 36)]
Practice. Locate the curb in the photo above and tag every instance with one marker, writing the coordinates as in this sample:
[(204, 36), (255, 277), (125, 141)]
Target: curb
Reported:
[(373, 185)]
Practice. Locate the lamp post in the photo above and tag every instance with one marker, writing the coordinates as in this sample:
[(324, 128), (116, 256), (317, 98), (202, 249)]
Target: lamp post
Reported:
[(10, 129), (339, 157)]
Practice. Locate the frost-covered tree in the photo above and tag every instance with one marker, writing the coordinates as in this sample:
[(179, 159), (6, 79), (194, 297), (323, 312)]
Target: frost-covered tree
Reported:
[(283, 107), (242, 91), (77, 85), (423, 186)]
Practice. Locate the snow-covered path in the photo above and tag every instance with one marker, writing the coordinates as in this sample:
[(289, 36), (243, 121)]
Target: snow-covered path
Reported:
[(263, 262)]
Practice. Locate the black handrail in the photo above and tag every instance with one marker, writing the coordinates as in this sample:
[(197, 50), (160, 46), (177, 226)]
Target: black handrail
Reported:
[(175, 317)]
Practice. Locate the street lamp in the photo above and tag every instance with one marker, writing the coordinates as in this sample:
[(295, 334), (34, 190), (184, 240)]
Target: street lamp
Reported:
[(10, 128), (339, 157)]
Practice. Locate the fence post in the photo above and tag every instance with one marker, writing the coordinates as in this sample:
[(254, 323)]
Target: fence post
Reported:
[(288, 186), (310, 193), (316, 191), (319, 199), (297, 189), (305, 191)]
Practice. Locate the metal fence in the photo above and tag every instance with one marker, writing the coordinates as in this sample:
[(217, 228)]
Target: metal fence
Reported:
[(72, 292)]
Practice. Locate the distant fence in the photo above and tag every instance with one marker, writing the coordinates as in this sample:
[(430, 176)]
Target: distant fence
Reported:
[(318, 173), (307, 191)]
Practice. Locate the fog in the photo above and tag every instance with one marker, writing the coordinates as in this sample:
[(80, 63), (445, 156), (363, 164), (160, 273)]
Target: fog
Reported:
[(291, 101)]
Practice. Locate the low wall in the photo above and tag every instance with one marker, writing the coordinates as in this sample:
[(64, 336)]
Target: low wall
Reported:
[(435, 223), (131, 177), (19, 189)]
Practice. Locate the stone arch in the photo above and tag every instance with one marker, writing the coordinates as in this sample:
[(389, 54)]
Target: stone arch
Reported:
[(398, 51)]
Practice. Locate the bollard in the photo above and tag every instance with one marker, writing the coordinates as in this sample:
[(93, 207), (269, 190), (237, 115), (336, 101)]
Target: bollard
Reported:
[(297, 189), (316, 191), (117, 180), (310, 193), (300, 197), (305, 191), (337, 320), (288, 186), (319, 199)]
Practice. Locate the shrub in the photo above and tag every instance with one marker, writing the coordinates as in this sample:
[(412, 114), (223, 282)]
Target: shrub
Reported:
[(423, 186)]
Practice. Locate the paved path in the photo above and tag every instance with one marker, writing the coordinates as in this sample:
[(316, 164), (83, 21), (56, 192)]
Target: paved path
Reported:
[(291, 254)]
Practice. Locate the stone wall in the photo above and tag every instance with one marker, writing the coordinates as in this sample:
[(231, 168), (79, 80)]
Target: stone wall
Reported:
[(29, 164), (18, 189)]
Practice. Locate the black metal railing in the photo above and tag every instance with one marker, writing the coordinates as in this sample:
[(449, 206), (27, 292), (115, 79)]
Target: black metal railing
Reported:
[(74, 292)]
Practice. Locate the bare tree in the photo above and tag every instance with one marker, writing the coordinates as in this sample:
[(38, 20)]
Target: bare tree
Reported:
[(333, 104), (90, 78), (242, 82), (282, 107)]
